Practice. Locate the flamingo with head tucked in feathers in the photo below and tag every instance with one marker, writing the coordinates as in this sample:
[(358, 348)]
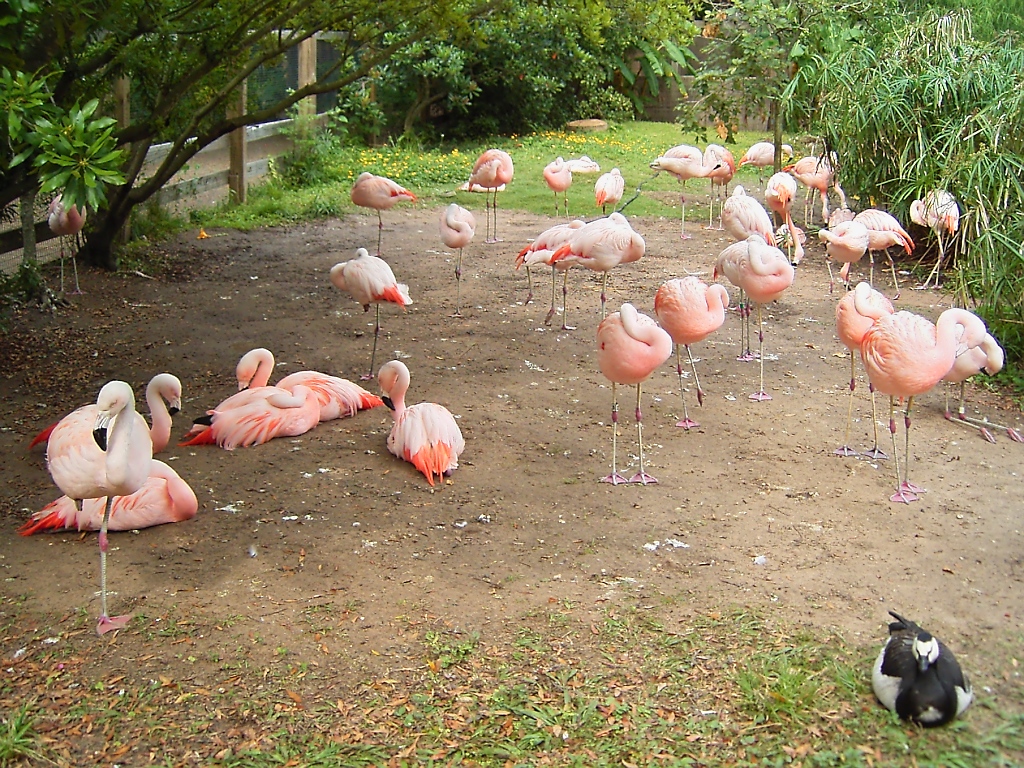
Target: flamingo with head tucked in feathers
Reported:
[(939, 212), (66, 222), (558, 177), (491, 172), (381, 194), (986, 357), (609, 188), (457, 228)]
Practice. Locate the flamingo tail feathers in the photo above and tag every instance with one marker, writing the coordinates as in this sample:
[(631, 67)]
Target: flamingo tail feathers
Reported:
[(432, 460), (396, 295), (42, 437), (204, 437)]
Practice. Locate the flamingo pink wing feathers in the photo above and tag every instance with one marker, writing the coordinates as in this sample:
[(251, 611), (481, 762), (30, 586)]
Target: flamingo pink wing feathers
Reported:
[(628, 355), (427, 436), (267, 413), (743, 216), (884, 230), (689, 309), (338, 398), (547, 242), (609, 188), (857, 311), (457, 226), (492, 169), (378, 192), (558, 175)]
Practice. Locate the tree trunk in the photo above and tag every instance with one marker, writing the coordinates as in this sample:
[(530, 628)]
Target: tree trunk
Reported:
[(28, 226), (101, 232), (776, 125)]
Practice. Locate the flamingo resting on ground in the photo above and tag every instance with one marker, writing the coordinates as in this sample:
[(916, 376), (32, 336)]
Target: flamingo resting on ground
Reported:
[(66, 222), (856, 312), (884, 231), (690, 310), (847, 243), (630, 347), (381, 194), (988, 357), (370, 280), (558, 177), (491, 172), (724, 169), (939, 212), (762, 155), (684, 162), (108, 452), (905, 355), (426, 434), (778, 195), (457, 227), (540, 251), (609, 188), (763, 273)]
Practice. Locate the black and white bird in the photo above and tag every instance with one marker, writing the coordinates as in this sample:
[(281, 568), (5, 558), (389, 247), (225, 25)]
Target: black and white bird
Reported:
[(917, 676)]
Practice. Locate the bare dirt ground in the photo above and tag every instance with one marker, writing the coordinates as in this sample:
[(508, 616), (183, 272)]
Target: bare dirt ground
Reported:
[(333, 518)]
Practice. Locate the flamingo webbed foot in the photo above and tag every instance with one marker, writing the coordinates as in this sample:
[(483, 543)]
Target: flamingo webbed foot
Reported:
[(366, 377), (876, 453), (687, 423), (550, 315), (644, 479), (684, 236), (986, 434), (110, 623), (760, 397), (615, 479), (746, 357), (844, 450), (568, 327), (903, 497), (912, 488), (1014, 435)]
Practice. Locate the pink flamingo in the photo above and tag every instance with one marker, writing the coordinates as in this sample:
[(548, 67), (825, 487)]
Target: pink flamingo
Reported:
[(684, 162), (163, 498), (381, 194), (847, 243), (66, 222), (690, 310), (778, 195), (426, 434), (988, 357), (609, 188), (457, 229), (939, 212), (370, 280), (583, 164), (103, 452), (762, 155), (884, 231), (724, 165), (540, 251), (630, 347), (492, 171), (257, 415), (815, 173), (558, 177), (763, 273), (905, 355), (856, 312)]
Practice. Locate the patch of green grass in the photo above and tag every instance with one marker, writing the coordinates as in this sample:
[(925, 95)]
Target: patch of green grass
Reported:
[(18, 740)]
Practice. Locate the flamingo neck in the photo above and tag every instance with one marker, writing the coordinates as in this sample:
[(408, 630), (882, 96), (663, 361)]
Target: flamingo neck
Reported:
[(945, 330), (161, 429)]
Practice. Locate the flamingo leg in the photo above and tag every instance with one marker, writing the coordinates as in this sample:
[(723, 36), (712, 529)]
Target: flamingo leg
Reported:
[(496, 238), (895, 280), (844, 449), (760, 396), (74, 266), (373, 354), (696, 381), (641, 477), (937, 271), (907, 485), (686, 422), (614, 478), (565, 305), (902, 496), (982, 425), (487, 218), (604, 284), (380, 231), (106, 623), (711, 208), (875, 452), (458, 287), (565, 199), (682, 203), (551, 312), (743, 308), (871, 270), (529, 280)]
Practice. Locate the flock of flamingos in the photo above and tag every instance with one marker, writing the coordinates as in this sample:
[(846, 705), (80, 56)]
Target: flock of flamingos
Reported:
[(100, 455)]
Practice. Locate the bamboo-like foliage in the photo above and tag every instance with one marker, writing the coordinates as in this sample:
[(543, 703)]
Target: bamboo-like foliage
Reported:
[(928, 106)]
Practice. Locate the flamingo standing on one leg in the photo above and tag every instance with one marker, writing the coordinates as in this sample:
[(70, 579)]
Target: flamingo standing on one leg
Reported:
[(764, 273), (370, 281), (724, 164), (630, 347), (107, 454), (847, 243), (457, 229), (905, 355), (884, 231), (988, 357), (558, 177), (762, 155), (609, 188), (540, 251), (779, 194), (815, 173), (690, 310), (381, 194), (426, 434), (856, 312), (66, 222), (684, 162), (939, 212), (492, 171)]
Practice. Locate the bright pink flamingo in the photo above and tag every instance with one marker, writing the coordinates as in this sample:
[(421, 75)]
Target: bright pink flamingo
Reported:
[(426, 434), (939, 212), (381, 194), (884, 231), (762, 155), (905, 355), (856, 312), (601, 246), (764, 273), (540, 251), (743, 216), (630, 347), (103, 452), (609, 188), (558, 177), (778, 195), (492, 170), (988, 357), (724, 164), (815, 173), (163, 498), (684, 162), (370, 280), (66, 223), (847, 243), (690, 310), (457, 227)]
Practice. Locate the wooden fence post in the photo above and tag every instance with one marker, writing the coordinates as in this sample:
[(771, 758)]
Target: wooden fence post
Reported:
[(237, 181), (307, 75)]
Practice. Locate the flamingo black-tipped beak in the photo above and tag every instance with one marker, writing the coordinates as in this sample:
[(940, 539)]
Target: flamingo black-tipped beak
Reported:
[(100, 436), (174, 411), (388, 403)]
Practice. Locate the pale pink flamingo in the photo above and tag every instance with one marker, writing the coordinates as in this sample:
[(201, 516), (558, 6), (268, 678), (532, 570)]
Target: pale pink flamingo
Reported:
[(778, 195), (558, 177), (764, 273), (426, 434), (103, 452), (847, 243), (884, 231), (988, 357), (540, 251), (492, 171), (583, 165), (457, 227), (816, 174), (690, 310), (66, 222), (381, 194), (905, 355), (609, 188), (370, 280), (684, 162), (601, 246), (163, 498), (163, 396), (724, 169), (939, 212), (762, 155), (856, 312)]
